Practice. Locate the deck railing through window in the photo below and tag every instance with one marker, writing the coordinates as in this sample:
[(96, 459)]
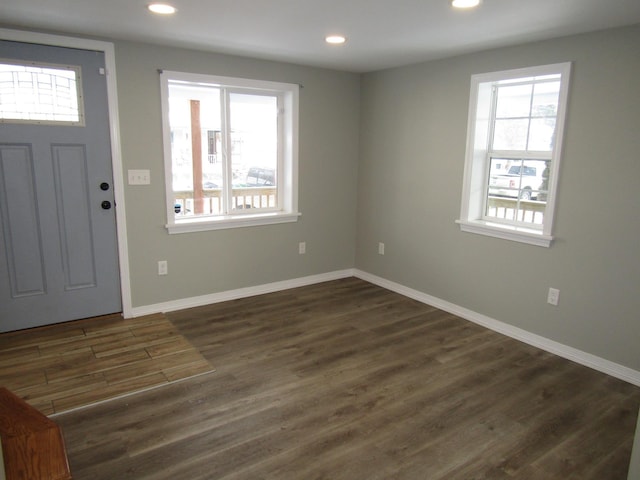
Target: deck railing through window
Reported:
[(242, 198), (526, 211)]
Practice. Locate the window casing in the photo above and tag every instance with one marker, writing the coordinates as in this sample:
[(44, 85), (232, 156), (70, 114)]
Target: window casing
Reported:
[(514, 140), (231, 151)]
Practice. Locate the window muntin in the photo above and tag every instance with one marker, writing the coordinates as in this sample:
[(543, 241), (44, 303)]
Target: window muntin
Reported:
[(516, 120), (230, 151), (525, 115), (40, 93)]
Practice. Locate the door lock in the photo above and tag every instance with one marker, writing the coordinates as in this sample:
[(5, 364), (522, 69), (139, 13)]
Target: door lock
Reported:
[(106, 205)]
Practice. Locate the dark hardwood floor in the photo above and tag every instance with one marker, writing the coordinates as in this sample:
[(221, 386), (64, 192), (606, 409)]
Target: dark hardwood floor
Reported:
[(346, 380)]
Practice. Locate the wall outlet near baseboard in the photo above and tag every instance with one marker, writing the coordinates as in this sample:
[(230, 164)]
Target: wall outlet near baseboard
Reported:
[(163, 268), (553, 296), (380, 248)]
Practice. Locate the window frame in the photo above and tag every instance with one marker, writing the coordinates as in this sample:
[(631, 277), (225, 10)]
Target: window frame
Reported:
[(287, 199), (477, 158)]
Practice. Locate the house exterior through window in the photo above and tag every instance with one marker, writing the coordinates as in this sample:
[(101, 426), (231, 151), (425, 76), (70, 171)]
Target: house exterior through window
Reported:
[(514, 139), (230, 151)]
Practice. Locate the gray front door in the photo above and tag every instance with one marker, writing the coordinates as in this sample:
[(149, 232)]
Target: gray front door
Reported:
[(58, 242)]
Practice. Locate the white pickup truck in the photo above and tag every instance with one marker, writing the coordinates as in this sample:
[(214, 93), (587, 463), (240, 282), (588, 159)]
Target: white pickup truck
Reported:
[(524, 181)]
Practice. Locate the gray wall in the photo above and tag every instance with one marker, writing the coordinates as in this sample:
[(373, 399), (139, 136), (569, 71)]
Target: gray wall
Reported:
[(216, 261), (413, 133)]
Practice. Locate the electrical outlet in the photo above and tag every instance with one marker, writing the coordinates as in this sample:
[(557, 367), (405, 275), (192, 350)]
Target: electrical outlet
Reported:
[(380, 248), (553, 296), (302, 248), (163, 268)]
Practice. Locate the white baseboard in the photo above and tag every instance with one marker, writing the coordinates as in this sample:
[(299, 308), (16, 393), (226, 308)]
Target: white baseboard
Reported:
[(199, 301), (565, 351), (597, 363)]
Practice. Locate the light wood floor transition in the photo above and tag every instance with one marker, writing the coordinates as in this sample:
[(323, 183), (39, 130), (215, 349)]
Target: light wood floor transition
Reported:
[(346, 380), (62, 367)]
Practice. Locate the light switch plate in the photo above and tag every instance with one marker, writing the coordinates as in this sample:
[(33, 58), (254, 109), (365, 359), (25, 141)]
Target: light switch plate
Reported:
[(139, 177)]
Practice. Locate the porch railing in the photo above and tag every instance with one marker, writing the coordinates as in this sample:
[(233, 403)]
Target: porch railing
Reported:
[(526, 211), (242, 198)]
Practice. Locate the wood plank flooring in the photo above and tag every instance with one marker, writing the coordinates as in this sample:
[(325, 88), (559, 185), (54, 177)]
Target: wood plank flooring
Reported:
[(66, 366), (346, 380)]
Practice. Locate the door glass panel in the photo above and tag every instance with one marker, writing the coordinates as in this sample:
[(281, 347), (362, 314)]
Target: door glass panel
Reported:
[(40, 94)]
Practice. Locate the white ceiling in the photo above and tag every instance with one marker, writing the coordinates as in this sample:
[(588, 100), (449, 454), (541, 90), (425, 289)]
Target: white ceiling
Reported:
[(381, 33)]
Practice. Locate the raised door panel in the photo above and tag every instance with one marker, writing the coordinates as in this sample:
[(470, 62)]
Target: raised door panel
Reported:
[(20, 225)]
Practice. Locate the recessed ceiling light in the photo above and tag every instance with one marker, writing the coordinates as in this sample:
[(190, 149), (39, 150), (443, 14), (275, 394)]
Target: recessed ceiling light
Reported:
[(465, 3), (335, 39), (162, 8)]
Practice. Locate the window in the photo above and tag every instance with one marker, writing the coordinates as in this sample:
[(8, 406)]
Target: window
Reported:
[(514, 139), (40, 94), (230, 151)]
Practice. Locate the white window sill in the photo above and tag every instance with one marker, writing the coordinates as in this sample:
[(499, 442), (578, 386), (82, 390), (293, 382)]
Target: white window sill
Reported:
[(506, 232), (230, 221)]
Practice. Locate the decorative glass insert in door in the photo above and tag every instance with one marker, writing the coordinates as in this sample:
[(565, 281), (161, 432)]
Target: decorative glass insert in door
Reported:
[(40, 94)]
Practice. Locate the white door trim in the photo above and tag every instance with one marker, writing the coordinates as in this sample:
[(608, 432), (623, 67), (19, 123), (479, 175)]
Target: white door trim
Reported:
[(114, 127)]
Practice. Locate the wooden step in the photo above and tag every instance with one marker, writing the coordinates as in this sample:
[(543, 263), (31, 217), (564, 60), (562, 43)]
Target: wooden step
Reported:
[(32, 444)]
